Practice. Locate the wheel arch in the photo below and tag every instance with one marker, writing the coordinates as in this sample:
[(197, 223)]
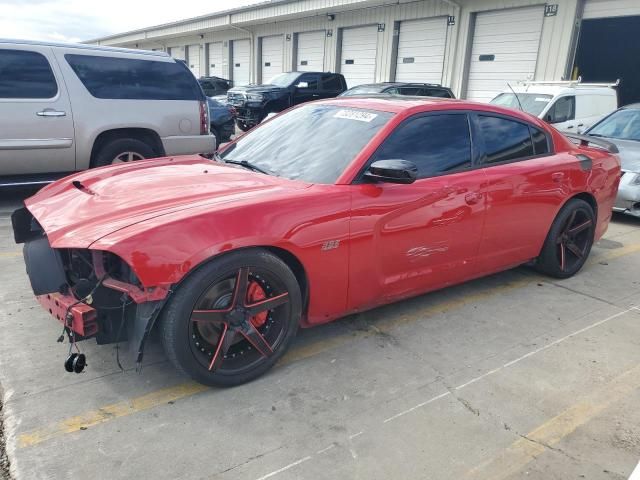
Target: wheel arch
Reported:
[(290, 259), (146, 135), (587, 197)]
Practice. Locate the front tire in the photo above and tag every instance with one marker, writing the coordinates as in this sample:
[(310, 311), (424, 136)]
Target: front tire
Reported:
[(123, 150), (244, 126), (233, 318), (569, 241)]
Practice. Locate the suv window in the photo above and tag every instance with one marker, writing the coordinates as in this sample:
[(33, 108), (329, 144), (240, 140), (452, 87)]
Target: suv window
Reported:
[(436, 92), (25, 74), (311, 79), (331, 82), (563, 110), (410, 91), (131, 79), (435, 143), (504, 139)]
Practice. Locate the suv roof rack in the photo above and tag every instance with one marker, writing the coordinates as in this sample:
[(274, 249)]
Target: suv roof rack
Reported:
[(568, 83)]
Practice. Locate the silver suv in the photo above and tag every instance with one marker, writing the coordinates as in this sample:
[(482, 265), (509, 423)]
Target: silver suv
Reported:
[(65, 108)]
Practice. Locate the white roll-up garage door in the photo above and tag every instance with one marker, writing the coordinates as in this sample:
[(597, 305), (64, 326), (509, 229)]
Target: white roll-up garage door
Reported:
[(241, 61), (194, 59), (272, 53), (216, 60), (610, 8), (505, 49), (421, 45), (310, 51), (358, 55), (177, 52)]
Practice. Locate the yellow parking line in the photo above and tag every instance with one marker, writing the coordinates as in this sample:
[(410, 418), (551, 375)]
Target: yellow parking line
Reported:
[(160, 397), (11, 254), (524, 450), (109, 412)]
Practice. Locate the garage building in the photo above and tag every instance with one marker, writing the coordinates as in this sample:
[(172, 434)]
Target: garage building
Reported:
[(476, 47)]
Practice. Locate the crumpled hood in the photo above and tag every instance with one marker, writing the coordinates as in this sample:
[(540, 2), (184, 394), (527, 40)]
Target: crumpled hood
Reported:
[(629, 154), (80, 209)]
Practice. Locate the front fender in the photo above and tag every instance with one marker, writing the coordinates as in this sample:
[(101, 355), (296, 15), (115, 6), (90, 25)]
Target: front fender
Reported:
[(163, 250)]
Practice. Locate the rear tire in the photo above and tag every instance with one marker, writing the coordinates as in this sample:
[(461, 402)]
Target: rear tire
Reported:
[(206, 337), (123, 150), (569, 241)]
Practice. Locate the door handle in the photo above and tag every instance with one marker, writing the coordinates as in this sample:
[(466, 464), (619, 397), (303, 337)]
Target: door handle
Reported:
[(569, 126), (581, 124), (49, 112), (557, 177), (472, 198)]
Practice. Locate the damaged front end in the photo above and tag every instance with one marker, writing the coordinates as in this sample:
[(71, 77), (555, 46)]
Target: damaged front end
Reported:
[(93, 293)]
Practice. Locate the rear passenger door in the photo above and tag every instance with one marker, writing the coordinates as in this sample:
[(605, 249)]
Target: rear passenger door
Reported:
[(331, 85), (307, 88), (37, 134), (524, 189)]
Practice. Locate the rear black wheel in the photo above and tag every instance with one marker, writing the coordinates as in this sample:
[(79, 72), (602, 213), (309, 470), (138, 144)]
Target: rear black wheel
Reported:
[(232, 319), (123, 150), (569, 241)]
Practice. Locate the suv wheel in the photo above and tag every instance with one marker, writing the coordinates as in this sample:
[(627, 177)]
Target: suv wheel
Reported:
[(121, 151), (244, 126)]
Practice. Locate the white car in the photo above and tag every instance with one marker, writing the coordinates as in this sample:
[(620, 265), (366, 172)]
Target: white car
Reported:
[(570, 107), (66, 107)]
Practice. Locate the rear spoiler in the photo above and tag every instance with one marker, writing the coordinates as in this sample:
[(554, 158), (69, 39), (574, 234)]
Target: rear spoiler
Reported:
[(585, 140)]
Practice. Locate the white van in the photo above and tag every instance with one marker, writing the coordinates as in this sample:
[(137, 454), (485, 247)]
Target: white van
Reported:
[(570, 106)]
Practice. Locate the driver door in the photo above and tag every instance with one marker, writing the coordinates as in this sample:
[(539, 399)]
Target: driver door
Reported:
[(408, 239)]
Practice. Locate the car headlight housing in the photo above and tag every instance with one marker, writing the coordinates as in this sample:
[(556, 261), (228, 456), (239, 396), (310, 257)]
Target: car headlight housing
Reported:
[(255, 97), (635, 180)]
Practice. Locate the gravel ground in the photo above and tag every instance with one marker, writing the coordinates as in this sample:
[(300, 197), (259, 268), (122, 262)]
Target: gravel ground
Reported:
[(4, 461)]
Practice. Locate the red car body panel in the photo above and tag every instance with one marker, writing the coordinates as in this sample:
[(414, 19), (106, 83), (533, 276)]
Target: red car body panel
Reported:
[(360, 245)]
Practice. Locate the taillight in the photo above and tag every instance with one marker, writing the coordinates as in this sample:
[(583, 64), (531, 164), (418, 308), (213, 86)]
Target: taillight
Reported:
[(204, 118)]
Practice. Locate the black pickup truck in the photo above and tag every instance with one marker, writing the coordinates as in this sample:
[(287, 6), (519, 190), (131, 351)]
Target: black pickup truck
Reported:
[(254, 102)]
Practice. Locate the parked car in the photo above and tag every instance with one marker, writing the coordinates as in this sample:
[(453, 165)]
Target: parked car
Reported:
[(214, 86), (622, 128), (71, 107), (231, 256), (223, 123), (568, 106), (255, 102), (399, 88)]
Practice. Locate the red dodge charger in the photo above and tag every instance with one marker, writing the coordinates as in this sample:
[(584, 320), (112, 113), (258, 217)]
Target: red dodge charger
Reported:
[(331, 208)]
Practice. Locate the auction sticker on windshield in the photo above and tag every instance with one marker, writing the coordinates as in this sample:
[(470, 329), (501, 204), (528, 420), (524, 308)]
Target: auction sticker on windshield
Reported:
[(355, 115)]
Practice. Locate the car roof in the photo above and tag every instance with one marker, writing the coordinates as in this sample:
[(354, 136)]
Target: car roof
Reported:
[(399, 84), (414, 104), (555, 90), (81, 46)]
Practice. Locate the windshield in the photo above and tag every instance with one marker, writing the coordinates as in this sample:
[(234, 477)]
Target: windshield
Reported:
[(623, 124), (532, 103), (283, 79), (313, 143), (363, 89)]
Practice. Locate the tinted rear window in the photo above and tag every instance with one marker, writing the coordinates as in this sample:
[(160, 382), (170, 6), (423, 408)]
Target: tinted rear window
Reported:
[(505, 140), (130, 79), (25, 74)]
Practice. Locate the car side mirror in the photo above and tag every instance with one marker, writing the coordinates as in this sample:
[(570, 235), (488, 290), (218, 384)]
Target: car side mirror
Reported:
[(302, 85), (392, 171)]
